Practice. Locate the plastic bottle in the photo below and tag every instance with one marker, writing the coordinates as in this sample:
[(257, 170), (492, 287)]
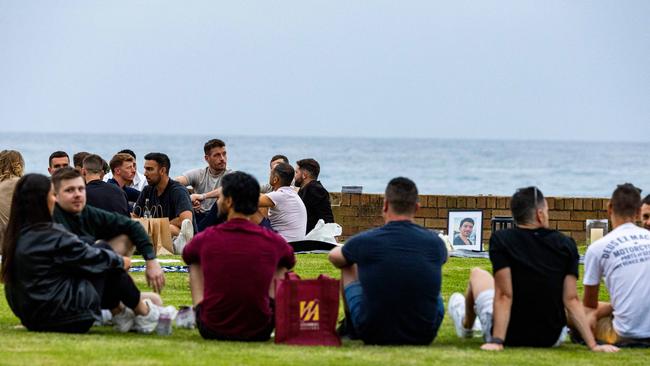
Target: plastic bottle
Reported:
[(147, 211)]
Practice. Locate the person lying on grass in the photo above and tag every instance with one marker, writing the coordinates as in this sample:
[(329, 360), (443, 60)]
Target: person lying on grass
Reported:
[(56, 282), (535, 274)]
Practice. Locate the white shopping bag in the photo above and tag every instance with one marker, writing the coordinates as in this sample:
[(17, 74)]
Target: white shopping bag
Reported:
[(325, 232)]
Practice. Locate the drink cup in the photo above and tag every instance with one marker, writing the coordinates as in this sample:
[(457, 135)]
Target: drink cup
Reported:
[(164, 327)]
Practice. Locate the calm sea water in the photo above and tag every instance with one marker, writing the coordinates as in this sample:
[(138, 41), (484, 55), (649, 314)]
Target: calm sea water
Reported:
[(437, 166)]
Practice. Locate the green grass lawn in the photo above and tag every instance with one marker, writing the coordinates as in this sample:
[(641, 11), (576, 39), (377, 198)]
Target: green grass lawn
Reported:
[(103, 346)]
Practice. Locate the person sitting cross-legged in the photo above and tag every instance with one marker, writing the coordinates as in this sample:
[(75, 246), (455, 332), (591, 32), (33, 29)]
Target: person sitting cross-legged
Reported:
[(56, 282), (287, 212), (232, 266), (622, 259), (391, 275), (166, 198), (535, 273), (92, 224)]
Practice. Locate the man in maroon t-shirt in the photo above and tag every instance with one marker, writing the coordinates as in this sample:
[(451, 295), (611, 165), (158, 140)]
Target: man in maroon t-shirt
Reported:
[(232, 266)]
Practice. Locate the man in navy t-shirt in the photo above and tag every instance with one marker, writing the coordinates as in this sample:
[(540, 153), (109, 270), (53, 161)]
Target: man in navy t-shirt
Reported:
[(166, 198), (392, 274)]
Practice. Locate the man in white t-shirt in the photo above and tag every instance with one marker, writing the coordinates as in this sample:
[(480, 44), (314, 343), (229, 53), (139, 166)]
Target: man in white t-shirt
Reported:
[(287, 213), (622, 257), (205, 181)]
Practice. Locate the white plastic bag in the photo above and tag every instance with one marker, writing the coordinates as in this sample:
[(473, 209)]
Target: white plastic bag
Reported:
[(325, 232)]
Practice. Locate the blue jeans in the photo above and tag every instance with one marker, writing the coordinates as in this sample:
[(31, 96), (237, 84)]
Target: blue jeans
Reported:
[(354, 297)]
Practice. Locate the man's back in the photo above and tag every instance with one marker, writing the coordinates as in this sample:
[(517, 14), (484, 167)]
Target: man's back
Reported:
[(317, 202), (622, 257), (238, 260), (539, 261), (289, 215), (107, 196), (399, 268)]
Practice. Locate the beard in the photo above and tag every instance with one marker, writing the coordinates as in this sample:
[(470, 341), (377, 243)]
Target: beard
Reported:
[(222, 215)]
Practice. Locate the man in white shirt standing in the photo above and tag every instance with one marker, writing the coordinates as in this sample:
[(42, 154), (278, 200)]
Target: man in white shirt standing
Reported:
[(287, 213), (205, 181), (622, 257)]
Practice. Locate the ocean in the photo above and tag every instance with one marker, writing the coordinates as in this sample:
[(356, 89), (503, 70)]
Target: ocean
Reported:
[(464, 167)]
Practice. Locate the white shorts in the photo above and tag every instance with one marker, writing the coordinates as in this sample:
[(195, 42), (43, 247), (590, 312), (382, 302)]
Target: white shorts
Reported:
[(484, 307)]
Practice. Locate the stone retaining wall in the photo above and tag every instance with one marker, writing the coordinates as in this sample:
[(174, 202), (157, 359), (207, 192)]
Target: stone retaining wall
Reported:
[(359, 212)]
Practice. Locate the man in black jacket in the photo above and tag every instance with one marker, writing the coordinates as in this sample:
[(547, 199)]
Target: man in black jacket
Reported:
[(313, 194), (92, 224)]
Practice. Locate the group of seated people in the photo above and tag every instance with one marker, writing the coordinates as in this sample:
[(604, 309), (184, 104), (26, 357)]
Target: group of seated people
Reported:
[(290, 204), (58, 250)]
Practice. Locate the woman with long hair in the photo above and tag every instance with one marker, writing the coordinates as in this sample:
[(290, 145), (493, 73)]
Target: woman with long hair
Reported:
[(56, 282), (12, 166)]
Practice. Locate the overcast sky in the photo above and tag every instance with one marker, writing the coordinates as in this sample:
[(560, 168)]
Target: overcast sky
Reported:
[(453, 69)]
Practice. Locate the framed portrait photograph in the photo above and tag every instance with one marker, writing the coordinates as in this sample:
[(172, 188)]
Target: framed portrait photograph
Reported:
[(465, 229)]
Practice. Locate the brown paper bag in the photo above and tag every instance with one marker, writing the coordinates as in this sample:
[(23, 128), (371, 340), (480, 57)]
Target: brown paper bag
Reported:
[(158, 231)]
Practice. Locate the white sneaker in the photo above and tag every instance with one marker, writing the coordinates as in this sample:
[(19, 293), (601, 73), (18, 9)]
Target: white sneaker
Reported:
[(186, 234), (123, 322), (186, 318), (456, 310), (477, 328), (147, 323), (107, 317)]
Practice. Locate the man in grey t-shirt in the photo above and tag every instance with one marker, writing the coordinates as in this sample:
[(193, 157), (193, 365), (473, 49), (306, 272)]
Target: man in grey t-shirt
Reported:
[(206, 180)]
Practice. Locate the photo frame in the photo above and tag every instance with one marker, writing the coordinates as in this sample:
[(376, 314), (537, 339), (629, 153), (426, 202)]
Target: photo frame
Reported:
[(465, 229)]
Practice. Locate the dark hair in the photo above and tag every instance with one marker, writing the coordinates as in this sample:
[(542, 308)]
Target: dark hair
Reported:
[(64, 174), (58, 154), (78, 158), (524, 203), (28, 207), (626, 200), (93, 164), (212, 144), (402, 195), (646, 200), (467, 219), (244, 191), (285, 172), (161, 159), (278, 157), (127, 151), (311, 166)]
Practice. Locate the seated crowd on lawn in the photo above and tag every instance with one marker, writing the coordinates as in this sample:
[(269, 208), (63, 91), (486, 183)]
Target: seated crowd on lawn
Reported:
[(67, 242)]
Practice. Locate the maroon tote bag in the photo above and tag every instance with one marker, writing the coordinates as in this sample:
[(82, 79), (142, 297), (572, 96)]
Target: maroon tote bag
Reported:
[(306, 311)]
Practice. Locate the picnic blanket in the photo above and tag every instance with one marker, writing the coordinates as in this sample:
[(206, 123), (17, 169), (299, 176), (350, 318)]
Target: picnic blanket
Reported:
[(472, 254), (166, 269)]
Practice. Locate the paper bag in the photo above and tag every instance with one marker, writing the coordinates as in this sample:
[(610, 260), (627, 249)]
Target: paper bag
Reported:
[(158, 231)]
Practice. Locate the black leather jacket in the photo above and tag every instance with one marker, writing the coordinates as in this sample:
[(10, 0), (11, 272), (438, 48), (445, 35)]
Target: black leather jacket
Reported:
[(48, 286)]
